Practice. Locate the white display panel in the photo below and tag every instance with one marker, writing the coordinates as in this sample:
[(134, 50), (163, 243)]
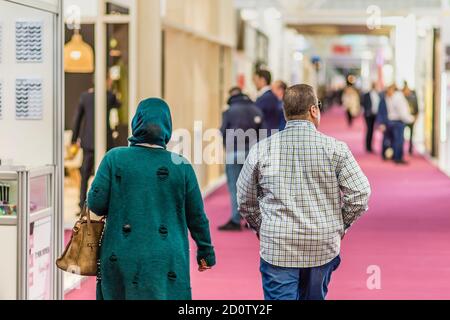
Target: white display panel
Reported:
[(29, 41), (1, 33), (1, 96), (22, 141), (8, 271), (40, 260)]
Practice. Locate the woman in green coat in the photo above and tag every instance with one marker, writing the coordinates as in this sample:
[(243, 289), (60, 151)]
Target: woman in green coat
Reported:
[(150, 198)]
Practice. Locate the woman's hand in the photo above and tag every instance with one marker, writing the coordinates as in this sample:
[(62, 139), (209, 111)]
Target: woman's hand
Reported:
[(203, 266)]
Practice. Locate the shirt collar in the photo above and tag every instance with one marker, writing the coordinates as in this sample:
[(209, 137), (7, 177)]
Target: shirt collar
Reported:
[(264, 90), (301, 123)]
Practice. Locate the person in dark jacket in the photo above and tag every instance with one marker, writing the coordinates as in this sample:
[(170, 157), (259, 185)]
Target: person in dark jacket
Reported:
[(279, 89), (240, 129), (371, 104), (393, 116), (84, 130), (385, 127), (411, 96), (267, 101), (151, 199)]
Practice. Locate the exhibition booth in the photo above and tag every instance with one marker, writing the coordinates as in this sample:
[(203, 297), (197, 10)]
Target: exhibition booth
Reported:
[(31, 127)]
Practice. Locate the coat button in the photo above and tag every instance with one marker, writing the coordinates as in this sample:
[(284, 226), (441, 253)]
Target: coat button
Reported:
[(113, 258), (172, 276), (164, 231), (126, 228), (163, 173)]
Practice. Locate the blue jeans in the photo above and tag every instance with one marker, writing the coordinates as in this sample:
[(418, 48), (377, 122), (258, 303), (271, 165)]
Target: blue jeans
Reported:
[(398, 136), (297, 283), (233, 171)]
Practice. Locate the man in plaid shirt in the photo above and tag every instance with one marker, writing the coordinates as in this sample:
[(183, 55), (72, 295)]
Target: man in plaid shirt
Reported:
[(301, 191)]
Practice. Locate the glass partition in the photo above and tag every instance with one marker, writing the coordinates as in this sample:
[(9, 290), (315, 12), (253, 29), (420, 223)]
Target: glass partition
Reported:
[(39, 194), (8, 198)]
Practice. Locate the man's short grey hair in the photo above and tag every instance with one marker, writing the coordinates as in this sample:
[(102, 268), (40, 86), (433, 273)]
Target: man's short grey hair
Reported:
[(298, 100)]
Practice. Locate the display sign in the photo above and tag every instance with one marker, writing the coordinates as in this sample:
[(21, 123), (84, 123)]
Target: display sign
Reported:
[(40, 260), (339, 49)]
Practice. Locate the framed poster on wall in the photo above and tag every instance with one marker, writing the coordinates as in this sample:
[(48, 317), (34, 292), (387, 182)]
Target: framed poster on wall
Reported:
[(29, 43), (29, 103)]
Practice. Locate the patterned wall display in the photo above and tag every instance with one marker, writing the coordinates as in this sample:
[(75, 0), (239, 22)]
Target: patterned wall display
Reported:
[(29, 99), (1, 42), (29, 41), (1, 99)]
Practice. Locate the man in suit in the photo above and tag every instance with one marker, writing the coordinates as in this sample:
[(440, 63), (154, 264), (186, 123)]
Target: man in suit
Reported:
[(84, 130), (267, 101), (371, 104), (240, 131)]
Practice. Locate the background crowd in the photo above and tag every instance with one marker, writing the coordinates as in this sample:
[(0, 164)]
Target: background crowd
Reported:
[(390, 110)]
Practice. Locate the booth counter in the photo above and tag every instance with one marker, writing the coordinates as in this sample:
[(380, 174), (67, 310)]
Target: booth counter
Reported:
[(28, 229)]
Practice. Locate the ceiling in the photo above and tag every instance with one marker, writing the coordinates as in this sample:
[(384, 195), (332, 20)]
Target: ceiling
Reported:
[(299, 6), (295, 9), (333, 29), (343, 16)]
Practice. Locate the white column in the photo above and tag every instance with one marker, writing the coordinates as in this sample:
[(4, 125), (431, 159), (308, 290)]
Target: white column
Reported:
[(444, 110), (405, 51), (149, 51), (100, 84)]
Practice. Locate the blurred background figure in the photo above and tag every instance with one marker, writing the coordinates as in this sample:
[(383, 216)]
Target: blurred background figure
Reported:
[(394, 115), (411, 97), (84, 135), (371, 104), (241, 116), (267, 101), (112, 113), (351, 102), (279, 89)]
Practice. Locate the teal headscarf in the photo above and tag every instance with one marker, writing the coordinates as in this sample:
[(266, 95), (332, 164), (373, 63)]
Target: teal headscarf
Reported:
[(152, 123)]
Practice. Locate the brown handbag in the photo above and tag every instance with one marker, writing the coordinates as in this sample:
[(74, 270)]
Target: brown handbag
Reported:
[(82, 252)]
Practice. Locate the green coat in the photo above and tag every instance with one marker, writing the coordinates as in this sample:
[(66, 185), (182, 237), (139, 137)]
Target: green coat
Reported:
[(151, 199)]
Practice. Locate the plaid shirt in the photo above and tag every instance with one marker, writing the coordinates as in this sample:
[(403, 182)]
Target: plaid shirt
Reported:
[(301, 190)]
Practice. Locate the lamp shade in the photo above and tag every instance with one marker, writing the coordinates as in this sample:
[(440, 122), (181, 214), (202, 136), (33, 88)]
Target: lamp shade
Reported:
[(78, 56)]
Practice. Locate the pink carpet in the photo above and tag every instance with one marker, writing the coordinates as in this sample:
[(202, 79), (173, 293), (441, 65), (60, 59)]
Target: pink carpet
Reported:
[(406, 234)]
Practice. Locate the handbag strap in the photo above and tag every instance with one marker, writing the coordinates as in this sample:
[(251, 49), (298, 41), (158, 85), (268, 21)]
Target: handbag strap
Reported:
[(86, 213)]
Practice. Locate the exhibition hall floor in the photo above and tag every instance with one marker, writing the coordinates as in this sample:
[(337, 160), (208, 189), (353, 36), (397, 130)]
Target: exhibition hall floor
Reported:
[(404, 238)]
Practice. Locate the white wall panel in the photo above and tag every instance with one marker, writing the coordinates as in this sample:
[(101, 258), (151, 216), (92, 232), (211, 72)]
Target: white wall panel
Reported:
[(26, 141)]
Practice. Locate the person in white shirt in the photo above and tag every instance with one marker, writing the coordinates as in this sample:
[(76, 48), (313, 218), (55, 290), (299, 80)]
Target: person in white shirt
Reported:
[(395, 112), (351, 102)]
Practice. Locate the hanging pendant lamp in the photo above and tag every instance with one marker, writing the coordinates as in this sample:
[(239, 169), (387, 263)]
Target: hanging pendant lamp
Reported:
[(78, 55)]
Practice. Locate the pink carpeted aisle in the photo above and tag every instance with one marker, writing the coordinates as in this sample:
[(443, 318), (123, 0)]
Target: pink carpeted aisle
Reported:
[(406, 234)]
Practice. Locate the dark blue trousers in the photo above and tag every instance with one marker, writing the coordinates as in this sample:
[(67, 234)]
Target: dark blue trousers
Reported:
[(398, 136), (233, 171), (297, 283)]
